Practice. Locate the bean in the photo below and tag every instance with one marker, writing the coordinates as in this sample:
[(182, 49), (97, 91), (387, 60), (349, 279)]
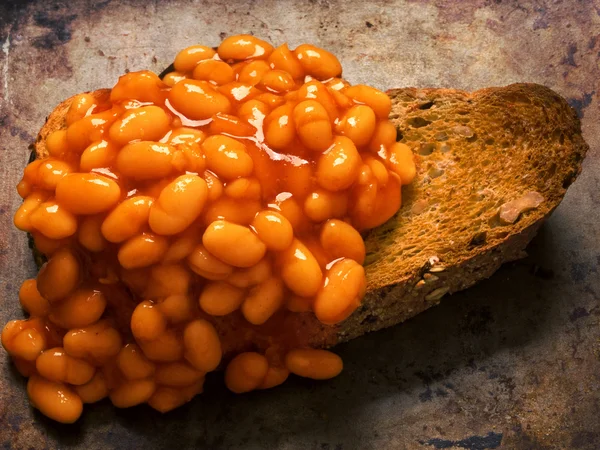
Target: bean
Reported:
[(48, 246), (270, 99), (98, 155), (186, 59), (263, 301), (233, 244), (244, 46), (142, 250), (342, 292), (132, 393), (89, 233), (81, 106), (277, 81), (253, 71), (145, 160), (91, 129), (186, 136), (300, 270), (168, 279), (197, 101), (133, 364), (147, 123), (384, 136), (341, 240), (172, 78), (367, 95), (338, 168), (214, 71), (214, 185), (55, 400), (98, 343), (401, 161), (253, 112), (312, 125), (358, 124), (219, 298), (57, 144), (51, 171), (227, 157), (283, 59), (183, 245), (178, 308), (377, 169), (231, 125), (202, 345), (318, 62), (244, 188), (167, 347), (321, 205), (55, 365), (80, 309), (94, 390), (147, 322), (127, 218), (59, 276), (273, 229), (24, 339), (178, 205), (299, 304), (244, 278), (315, 90), (143, 86), (240, 211), (166, 399), (279, 127), (53, 220), (31, 300), (24, 367), (177, 374), (274, 377), (87, 193), (207, 265), (374, 206), (313, 363), (246, 372), (22, 219), (237, 92)]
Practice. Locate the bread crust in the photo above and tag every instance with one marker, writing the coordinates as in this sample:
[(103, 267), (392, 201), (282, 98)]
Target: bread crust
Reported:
[(475, 152)]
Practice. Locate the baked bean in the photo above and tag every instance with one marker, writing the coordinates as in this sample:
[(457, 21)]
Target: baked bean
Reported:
[(358, 124), (127, 218), (177, 374), (300, 270), (214, 185), (214, 71), (178, 308), (227, 157), (237, 92), (367, 95), (315, 90), (253, 71), (231, 125), (166, 399), (314, 246), (196, 100), (342, 292), (312, 125), (87, 193), (89, 234), (178, 205), (59, 276), (244, 188), (233, 244), (186, 59), (56, 143), (207, 265), (277, 81), (80, 309), (98, 343), (22, 219), (132, 393), (341, 101), (91, 129), (295, 303), (25, 368), (321, 205), (53, 220), (81, 106), (54, 400), (142, 250), (55, 365), (274, 377), (318, 62), (186, 136), (270, 99), (31, 300), (183, 245), (291, 210), (47, 246), (94, 390), (401, 161), (172, 78), (219, 298), (339, 167), (384, 136), (133, 364), (97, 155), (240, 211), (283, 59), (244, 278), (313, 363), (279, 127), (341, 240), (168, 279), (246, 372), (374, 206), (112, 375), (145, 160), (253, 112), (263, 301), (146, 123), (147, 321), (144, 86), (51, 171), (168, 347), (202, 345), (377, 169), (273, 229), (24, 339), (244, 46)]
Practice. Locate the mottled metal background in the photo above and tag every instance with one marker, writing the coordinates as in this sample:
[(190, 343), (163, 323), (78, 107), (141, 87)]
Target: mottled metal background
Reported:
[(512, 363)]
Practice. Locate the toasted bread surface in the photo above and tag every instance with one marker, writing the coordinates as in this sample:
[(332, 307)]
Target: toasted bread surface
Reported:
[(492, 165)]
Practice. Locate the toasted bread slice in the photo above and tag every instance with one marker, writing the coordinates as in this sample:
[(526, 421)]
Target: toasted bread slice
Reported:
[(492, 165)]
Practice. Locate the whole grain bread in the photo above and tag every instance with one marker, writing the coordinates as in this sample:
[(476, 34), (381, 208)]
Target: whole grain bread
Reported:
[(492, 165)]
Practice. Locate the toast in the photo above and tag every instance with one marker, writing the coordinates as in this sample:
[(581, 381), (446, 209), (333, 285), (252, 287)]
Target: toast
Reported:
[(492, 165)]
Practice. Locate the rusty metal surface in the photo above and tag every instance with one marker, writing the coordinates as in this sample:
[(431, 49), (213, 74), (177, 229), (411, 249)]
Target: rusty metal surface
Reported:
[(512, 363)]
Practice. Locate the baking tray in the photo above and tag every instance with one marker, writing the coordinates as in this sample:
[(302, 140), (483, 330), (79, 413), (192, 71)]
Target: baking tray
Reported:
[(511, 363)]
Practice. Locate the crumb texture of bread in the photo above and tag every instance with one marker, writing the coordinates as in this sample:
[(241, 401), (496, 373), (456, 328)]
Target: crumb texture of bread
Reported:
[(492, 165)]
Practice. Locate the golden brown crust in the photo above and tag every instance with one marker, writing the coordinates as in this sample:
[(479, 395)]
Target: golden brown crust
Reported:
[(476, 152)]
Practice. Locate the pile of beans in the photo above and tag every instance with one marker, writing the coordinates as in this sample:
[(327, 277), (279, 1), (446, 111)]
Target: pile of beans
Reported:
[(183, 216)]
